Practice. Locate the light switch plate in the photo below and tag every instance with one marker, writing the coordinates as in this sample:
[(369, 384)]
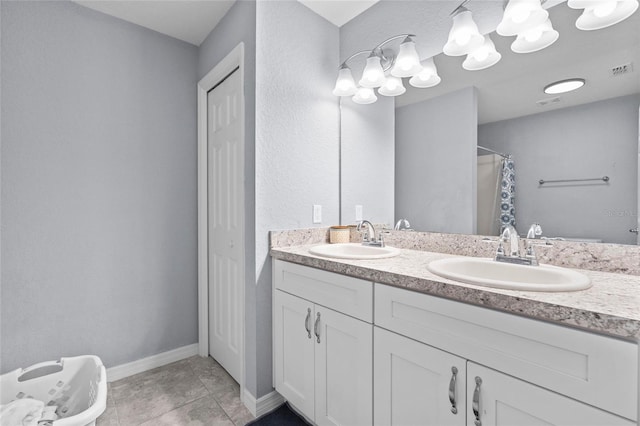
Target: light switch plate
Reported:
[(317, 213), (358, 212)]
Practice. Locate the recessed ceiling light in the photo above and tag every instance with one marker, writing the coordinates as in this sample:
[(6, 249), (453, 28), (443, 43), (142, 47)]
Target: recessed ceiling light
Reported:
[(564, 86)]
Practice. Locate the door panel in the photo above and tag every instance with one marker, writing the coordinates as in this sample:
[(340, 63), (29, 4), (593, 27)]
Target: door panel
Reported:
[(343, 365), (413, 381), (294, 351), (225, 198), (506, 401)]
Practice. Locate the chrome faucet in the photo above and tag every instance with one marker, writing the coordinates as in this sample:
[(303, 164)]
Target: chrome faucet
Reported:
[(403, 224), (369, 238), (510, 234), (535, 231)]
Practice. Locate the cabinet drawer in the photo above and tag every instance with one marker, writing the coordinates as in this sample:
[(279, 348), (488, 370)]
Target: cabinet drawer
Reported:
[(598, 370), (348, 295)]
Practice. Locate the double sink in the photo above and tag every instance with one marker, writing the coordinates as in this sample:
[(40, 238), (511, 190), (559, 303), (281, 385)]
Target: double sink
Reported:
[(471, 270)]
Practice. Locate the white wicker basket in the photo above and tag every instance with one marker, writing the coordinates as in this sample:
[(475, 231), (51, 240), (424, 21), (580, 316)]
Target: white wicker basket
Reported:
[(77, 386)]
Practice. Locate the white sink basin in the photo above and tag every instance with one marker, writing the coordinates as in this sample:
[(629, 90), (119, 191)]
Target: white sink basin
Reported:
[(489, 273), (354, 251)]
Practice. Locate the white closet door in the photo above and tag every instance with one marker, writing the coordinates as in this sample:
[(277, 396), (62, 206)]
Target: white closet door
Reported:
[(226, 240)]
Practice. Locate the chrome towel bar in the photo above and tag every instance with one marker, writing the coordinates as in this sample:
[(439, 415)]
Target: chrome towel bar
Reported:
[(603, 178)]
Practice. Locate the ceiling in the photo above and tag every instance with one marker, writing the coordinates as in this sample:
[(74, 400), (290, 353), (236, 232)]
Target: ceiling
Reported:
[(193, 20)]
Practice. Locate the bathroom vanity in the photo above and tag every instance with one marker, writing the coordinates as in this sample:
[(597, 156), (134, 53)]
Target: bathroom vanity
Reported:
[(385, 342)]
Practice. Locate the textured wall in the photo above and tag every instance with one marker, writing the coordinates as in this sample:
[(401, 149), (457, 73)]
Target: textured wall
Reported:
[(590, 140), (98, 187), (297, 127), (436, 163), (239, 25)]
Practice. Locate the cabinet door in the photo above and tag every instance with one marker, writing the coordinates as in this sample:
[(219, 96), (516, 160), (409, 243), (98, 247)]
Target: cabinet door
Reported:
[(415, 384), (293, 351), (343, 365), (506, 401)]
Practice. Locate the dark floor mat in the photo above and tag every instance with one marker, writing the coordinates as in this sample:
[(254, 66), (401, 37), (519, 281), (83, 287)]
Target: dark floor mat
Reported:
[(281, 416)]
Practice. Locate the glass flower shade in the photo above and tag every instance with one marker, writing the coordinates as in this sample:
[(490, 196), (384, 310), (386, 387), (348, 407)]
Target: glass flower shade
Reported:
[(364, 96), (600, 14), (407, 62), (521, 15), (535, 39), (428, 77), (345, 86), (392, 87), (464, 36), (483, 57), (373, 74)]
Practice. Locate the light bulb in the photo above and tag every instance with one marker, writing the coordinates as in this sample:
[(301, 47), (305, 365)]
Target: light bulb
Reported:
[(604, 8), (345, 86), (535, 39), (407, 62), (392, 87), (481, 54), (533, 35), (519, 15), (428, 77), (373, 75), (364, 96), (464, 36), (483, 57)]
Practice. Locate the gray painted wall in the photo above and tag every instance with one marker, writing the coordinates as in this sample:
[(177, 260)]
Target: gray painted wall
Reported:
[(436, 163), (590, 140), (367, 148), (239, 25), (98, 187), (297, 128)]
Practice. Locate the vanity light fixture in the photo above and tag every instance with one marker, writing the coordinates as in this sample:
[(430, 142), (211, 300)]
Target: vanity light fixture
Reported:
[(392, 87), (602, 13), (564, 86), (428, 77), (464, 36), (482, 57), (407, 64), (520, 16), (383, 70), (373, 74), (345, 85), (364, 96), (535, 39)]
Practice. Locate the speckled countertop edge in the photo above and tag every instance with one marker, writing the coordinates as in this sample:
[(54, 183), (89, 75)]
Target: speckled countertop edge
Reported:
[(611, 306)]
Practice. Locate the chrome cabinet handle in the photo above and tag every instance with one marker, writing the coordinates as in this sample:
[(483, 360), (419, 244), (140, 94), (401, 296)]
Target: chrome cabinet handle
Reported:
[(316, 327), (307, 325), (635, 230), (476, 402), (452, 390)]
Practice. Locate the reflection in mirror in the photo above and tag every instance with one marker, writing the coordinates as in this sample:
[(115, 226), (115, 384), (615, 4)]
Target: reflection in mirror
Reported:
[(442, 183)]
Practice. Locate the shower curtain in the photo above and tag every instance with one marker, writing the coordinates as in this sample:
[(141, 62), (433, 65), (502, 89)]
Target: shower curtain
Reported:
[(507, 194)]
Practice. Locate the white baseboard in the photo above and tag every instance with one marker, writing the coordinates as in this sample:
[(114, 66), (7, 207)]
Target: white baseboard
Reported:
[(129, 369), (262, 405)]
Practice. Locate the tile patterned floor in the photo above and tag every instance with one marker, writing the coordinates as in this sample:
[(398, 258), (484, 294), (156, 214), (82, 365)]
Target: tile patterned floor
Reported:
[(196, 391)]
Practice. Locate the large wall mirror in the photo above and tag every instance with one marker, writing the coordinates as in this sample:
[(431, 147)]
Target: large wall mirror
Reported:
[(415, 156)]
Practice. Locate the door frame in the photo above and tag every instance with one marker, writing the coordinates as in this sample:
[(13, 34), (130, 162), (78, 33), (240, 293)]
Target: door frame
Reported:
[(233, 60)]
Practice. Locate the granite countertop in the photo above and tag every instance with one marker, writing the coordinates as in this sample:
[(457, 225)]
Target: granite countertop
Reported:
[(611, 306)]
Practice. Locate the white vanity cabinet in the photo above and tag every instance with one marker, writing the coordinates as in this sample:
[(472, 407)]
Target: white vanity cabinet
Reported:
[(323, 344), (416, 384), (425, 360), (518, 371)]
